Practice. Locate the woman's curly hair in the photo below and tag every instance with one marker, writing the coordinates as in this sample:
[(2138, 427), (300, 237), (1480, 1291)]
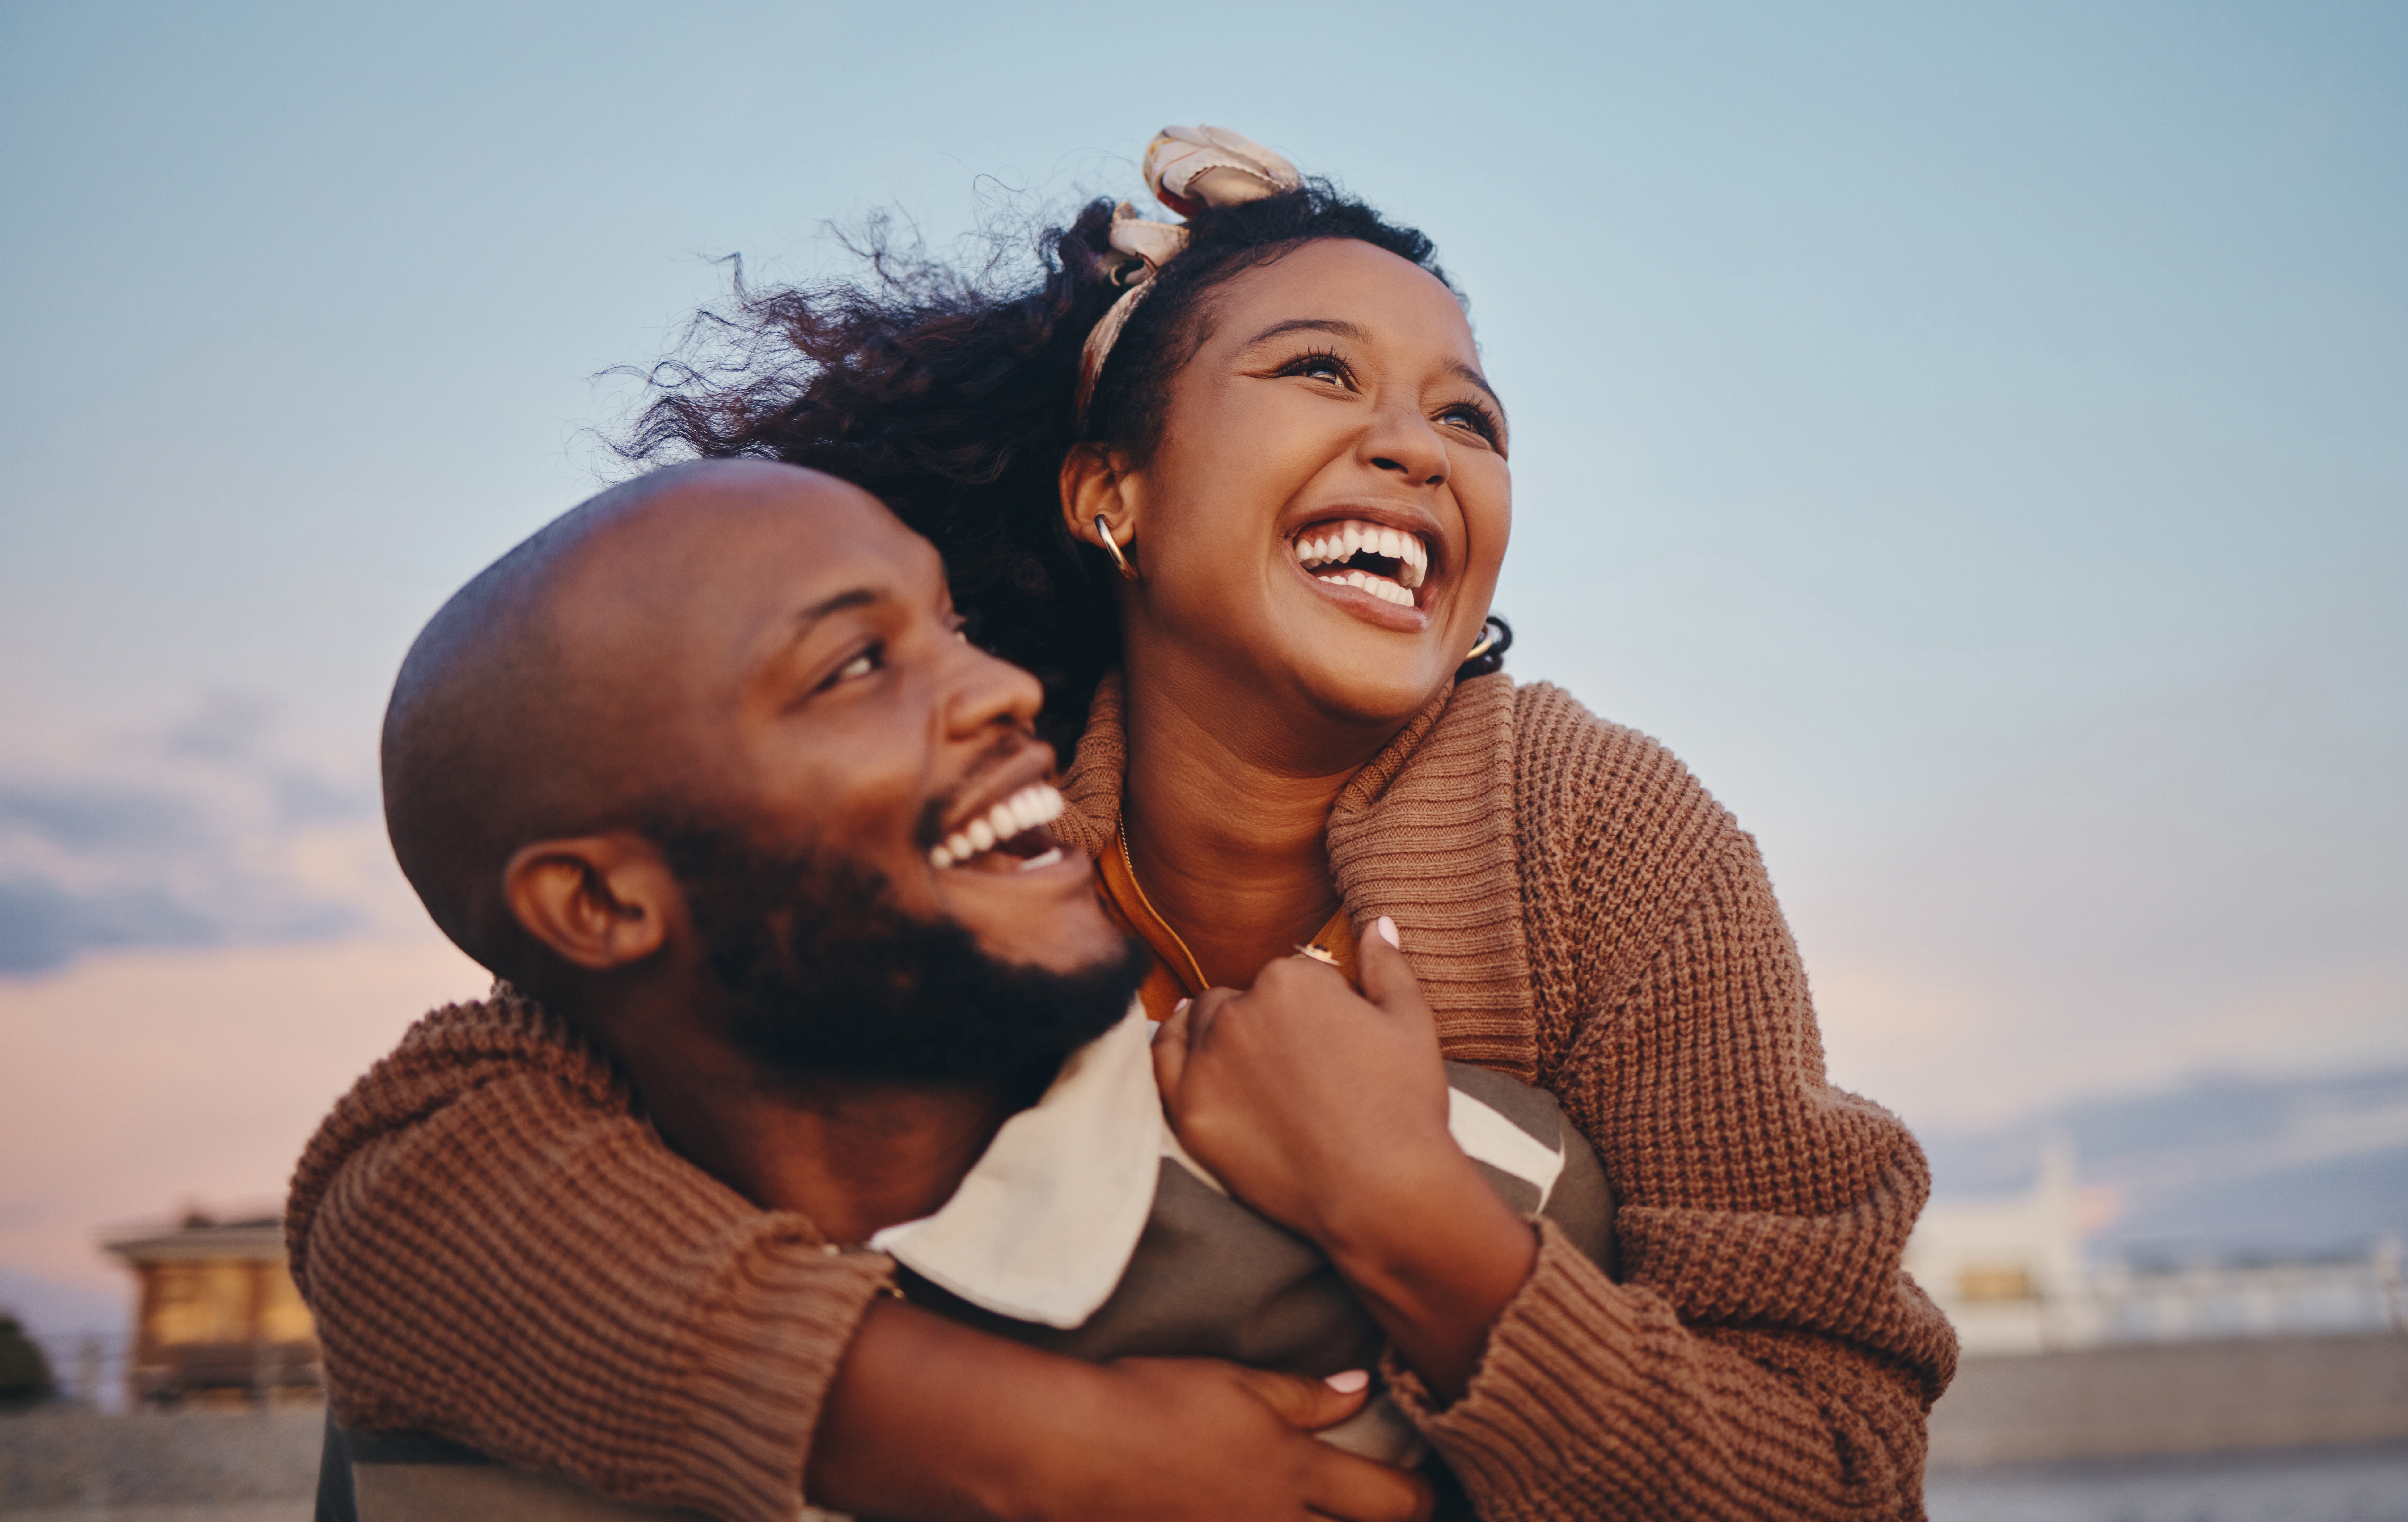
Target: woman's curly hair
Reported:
[(950, 398)]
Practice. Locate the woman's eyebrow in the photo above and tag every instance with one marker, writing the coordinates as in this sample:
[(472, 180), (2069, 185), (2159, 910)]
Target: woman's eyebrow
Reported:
[(1468, 373), (1341, 328), (1358, 334)]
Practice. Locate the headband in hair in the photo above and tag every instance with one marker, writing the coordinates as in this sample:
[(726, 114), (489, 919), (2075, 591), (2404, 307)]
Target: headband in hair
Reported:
[(1187, 169)]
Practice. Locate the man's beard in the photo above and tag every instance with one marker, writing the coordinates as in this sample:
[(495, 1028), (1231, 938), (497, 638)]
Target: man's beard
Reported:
[(830, 977)]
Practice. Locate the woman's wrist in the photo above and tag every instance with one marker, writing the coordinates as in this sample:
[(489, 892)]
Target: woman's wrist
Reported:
[(927, 1418), (1435, 1256)]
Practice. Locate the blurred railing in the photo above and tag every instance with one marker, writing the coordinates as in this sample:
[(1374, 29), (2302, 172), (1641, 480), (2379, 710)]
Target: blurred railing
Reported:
[(2125, 1303), (2207, 1300), (88, 1367)]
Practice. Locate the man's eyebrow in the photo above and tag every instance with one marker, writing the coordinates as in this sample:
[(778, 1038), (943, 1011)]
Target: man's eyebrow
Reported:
[(860, 596)]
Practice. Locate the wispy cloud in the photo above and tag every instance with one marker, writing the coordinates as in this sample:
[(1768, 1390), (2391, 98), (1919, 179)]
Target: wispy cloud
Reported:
[(2220, 1164), (204, 832)]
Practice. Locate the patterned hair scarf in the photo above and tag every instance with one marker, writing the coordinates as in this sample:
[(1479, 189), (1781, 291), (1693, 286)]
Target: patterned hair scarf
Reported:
[(1187, 169)]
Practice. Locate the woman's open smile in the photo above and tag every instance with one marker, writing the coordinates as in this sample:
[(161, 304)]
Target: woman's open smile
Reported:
[(1380, 563), (1318, 531)]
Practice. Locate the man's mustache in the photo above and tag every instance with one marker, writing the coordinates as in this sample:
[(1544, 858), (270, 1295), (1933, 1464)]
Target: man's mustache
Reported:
[(1009, 747)]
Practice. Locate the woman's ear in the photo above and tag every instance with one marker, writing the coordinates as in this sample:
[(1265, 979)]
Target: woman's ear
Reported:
[(600, 901), (1096, 482)]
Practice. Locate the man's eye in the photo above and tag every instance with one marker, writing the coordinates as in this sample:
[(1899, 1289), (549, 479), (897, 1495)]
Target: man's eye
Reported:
[(860, 665)]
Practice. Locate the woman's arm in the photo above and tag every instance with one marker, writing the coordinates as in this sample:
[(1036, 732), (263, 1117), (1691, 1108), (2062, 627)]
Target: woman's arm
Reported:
[(500, 1252), (932, 1420), (1766, 1356)]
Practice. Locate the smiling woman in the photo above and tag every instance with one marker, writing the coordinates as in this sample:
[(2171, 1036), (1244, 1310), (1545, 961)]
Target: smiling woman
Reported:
[(1238, 492), (961, 407)]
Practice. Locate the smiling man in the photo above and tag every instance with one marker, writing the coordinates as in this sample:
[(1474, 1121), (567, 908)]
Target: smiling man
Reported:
[(677, 767), (706, 771)]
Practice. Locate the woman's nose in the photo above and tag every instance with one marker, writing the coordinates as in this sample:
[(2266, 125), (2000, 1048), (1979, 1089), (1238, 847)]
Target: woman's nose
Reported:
[(1403, 441)]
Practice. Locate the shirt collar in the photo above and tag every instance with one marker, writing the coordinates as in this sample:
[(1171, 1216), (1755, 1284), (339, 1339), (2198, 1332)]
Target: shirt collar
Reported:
[(1044, 1226)]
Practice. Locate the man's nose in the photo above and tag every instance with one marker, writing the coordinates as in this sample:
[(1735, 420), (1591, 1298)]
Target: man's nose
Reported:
[(985, 691)]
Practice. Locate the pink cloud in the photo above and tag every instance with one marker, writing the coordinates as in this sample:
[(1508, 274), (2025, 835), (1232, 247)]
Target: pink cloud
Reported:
[(138, 1082)]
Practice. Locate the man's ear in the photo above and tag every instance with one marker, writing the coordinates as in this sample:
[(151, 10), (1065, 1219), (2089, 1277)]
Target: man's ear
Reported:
[(1095, 481), (601, 901)]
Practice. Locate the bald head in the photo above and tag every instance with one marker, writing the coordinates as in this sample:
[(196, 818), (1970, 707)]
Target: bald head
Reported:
[(582, 682)]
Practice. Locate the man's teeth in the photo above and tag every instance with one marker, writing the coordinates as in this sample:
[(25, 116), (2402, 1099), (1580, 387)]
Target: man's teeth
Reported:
[(1034, 805), (1333, 543)]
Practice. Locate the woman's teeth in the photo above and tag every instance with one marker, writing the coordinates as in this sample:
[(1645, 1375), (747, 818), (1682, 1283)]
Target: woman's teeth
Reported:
[(1332, 545), (1034, 805), (1379, 587)]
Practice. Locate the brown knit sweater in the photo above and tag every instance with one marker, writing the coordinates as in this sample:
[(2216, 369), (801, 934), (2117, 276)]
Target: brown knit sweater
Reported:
[(500, 1250)]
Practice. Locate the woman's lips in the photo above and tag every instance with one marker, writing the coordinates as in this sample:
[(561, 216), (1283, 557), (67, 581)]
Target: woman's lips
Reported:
[(1388, 564)]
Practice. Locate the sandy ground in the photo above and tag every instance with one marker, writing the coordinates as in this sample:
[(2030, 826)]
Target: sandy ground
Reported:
[(262, 1466), (2300, 1485), (293, 1509), (241, 1466)]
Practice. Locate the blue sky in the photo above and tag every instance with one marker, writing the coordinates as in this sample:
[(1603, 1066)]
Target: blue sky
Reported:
[(1975, 439)]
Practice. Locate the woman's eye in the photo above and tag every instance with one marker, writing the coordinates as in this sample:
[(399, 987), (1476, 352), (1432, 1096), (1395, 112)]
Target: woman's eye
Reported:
[(1471, 418), (1320, 368)]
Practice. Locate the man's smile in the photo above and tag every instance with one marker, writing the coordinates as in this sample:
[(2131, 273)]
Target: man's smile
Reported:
[(1009, 836)]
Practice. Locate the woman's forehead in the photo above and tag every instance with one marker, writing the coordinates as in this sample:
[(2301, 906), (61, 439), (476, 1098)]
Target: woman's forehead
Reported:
[(1347, 289)]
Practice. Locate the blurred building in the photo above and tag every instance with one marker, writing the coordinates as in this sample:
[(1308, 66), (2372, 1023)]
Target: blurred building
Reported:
[(2005, 1268), (2012, 1274), (217, 1315), (2067, 1357)]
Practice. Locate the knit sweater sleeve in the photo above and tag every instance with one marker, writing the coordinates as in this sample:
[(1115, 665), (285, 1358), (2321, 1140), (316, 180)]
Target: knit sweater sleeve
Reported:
[(499, 1251), (1765, 1356)]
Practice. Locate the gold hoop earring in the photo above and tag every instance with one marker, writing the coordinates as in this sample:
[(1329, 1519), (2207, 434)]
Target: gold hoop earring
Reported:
[(1488, 642), (1128, 573)]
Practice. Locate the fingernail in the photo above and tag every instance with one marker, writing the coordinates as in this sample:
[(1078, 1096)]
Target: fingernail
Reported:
[(1388, 929), (1348, 1381), (1181, 1008)]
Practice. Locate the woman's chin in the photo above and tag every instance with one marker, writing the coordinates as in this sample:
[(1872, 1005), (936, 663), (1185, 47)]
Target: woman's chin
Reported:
[(1368, 687), (1303, 663)]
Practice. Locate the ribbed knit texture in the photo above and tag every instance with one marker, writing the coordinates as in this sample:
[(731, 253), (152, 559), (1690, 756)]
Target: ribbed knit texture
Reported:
[(500, 1251), (1583, 915), (504, 1246)]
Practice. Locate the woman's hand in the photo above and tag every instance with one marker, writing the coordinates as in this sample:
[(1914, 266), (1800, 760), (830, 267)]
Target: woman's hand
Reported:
[(1301, 1095), (931, 1420), (1327, 1110), (1197, 1438)]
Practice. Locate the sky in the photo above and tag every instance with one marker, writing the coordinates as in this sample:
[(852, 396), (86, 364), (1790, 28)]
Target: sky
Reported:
[(1975, 439)]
